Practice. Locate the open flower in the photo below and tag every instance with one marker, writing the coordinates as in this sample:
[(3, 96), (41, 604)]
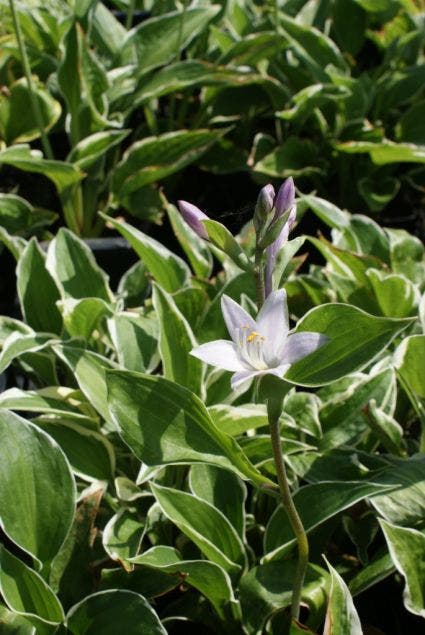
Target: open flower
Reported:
[(259, 346)]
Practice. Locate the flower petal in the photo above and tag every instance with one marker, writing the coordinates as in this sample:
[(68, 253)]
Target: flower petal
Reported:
[(299, 345), (235, 317), (272, 324), (220, 353), (279, 371), (246, 375)]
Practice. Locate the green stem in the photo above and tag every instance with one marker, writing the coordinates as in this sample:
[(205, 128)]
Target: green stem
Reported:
[(27, 71), (259, 278), (291, 511), (130, 13)]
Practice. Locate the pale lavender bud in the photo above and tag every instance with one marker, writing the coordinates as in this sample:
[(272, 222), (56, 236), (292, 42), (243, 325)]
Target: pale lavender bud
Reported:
[(264, 206), (265, 200), (285, 197), (194, 217), (272, 250)]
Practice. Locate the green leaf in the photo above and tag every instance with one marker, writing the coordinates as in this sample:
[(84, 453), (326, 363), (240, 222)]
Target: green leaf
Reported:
[(39, 310), (81, 317), (253, 48), (17, 215), (154, 158), (352, 407), (223, 490), (107, 33), (14, 624), (348, 12), (18, 344), (17, 121), (386, 152), (89, 371), (386, 429), (411, 127), (95, 146), (71, 574), (378, 192), (176, 340), (315, 503), (220, 236), (170, 271), (72, 265), (51, 400), (62, 174), (409, 359), (397, 297), (346, 263), (158, 40), (135, 338), (15, 244), (315, 49), (327, 212), (407, 549), (83, 81), (164, 423), (26, 593), (267, 589), (208, 577), (237, 420), (303, 408), (294, 157), (122, 535), (207, 527), (195, 248), (404, 504), (367, 237), (32, 471), (379, 569), (355, 339), (341, 615), (101, 612), (190, 74), (89, 453)]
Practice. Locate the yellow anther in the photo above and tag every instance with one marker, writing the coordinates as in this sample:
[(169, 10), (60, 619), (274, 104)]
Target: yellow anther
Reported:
[(253, 336)]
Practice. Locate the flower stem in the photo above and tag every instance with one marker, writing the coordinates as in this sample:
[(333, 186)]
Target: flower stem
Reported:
[(31, 89), (291, 511), (259, 278)]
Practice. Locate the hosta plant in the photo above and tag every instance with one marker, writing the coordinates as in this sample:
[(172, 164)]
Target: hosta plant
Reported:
[(102, 112), (141, 487)]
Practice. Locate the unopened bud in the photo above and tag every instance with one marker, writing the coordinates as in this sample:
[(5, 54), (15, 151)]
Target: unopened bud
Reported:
[(194, 217), (264, 205), (285, 197)]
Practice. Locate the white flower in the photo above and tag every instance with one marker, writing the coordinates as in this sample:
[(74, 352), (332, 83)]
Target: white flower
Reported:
[(259, 346)]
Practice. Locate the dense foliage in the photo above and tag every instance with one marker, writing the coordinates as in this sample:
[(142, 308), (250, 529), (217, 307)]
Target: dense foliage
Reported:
[(137, 486), (126, 500), (328, 92)]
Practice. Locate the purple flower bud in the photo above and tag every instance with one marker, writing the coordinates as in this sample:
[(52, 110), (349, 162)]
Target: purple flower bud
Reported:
[(273, 250), (265, 200), (193, 217), (285, 197)]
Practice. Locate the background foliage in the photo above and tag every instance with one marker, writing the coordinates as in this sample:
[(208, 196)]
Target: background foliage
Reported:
[(330, 92)]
